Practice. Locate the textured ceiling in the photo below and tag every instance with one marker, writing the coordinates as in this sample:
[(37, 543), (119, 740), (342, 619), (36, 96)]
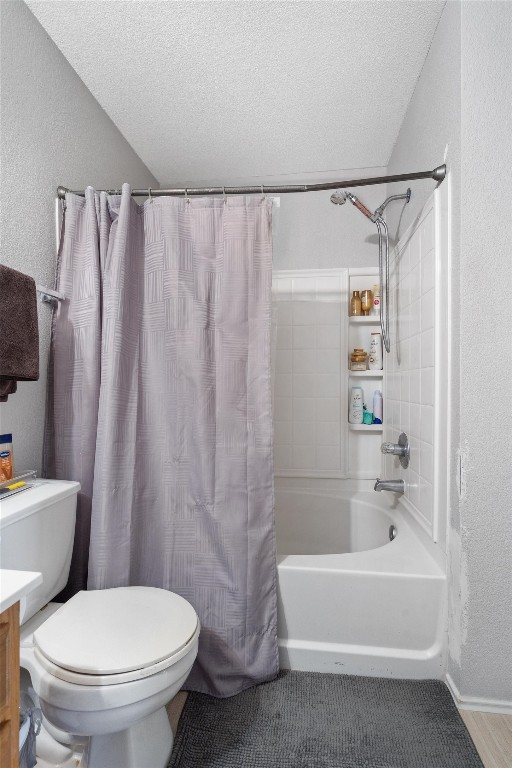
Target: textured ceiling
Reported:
[(222, 91)]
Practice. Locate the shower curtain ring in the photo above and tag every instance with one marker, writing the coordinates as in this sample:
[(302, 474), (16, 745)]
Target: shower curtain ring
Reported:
[(263, 195), (187, 198), (149, 195), (224, 195)]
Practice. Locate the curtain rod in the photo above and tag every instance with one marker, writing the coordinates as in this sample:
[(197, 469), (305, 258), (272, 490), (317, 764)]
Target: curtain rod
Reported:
[(437, 174)]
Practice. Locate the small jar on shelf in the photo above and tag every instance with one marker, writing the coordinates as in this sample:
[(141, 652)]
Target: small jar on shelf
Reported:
[(358, 360)]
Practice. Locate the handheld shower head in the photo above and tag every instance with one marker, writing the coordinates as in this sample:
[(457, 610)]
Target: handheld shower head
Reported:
[(339, 198)]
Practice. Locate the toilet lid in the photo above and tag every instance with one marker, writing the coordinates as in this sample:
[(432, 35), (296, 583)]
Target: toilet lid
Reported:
[(110, 631)]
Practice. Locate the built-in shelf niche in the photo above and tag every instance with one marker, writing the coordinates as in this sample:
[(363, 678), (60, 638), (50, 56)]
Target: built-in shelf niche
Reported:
[(363, 440)]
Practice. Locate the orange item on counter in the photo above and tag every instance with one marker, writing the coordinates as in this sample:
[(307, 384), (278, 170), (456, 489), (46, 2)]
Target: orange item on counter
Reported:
[(6, 460)]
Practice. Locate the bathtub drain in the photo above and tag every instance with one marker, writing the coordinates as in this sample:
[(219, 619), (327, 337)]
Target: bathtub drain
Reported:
[(392, 532)]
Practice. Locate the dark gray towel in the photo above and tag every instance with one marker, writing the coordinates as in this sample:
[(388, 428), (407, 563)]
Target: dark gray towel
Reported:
[(19, 333)]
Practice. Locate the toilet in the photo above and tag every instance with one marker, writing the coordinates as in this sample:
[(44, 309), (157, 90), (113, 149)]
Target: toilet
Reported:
[(104, 664)]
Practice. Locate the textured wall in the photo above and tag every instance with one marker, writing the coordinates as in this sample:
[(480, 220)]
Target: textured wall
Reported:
[(486, 330), (53, 132), (471, 56), (312, 233)]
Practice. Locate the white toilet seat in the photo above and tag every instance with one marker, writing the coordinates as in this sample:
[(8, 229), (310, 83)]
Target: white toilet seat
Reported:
[(119, 635)]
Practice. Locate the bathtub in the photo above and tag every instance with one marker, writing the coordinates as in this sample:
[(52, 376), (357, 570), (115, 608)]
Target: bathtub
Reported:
[(349, 598)]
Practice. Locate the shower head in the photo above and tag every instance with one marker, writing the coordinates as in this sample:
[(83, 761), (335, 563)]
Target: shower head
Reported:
[(339, 198)]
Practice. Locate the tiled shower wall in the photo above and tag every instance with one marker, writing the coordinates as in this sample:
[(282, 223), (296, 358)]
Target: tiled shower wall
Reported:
[(308, 383), (411, 364)]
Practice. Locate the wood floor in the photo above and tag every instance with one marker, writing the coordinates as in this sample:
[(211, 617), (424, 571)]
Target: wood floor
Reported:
[(491, 734)]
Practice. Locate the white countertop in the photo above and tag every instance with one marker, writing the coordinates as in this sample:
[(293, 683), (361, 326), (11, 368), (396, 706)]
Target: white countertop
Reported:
[(14, 585)]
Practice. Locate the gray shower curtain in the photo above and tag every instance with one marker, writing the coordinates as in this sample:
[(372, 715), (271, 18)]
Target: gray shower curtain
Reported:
[(159, 404)]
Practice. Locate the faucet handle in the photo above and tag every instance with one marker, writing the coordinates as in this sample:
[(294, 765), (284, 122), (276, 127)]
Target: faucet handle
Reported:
[(393, 448), (400, 449)]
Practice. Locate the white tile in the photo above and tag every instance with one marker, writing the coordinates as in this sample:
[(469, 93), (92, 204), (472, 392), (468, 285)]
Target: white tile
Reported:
[(282, 286), (426, 500), (415, 248), (404, 262), (328, 433), (414, 421), (405, 387), (415, 352), (328, 287), (415, 387), (283, 361), (427, 386), (426, 462), (283, 433), (304, 433), (328, 409), (427, 348), (405, 355), (328, 361), (282, 456), (328, 336), (303, 457), (393, 384), (405, 420), (327, 457), (427, 310), (403, 295), (427, 272), (415, 318), (304, 288), (283, 408), (415, 284), (283, 385), (304, 337), (284, 337), (413, 487), (328, 313), (327, 384), (305, 385), (304, 408), (395, 413), (284, 313), (304, 361), (415, 456), (427, 424), (427, 234), (304, 313)]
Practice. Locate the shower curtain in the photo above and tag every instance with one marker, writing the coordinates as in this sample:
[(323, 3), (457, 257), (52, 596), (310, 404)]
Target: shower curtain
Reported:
[(159, 404)]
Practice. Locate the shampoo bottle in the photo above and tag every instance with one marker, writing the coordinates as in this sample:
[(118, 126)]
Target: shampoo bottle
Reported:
[(377, 407), (355, 413)]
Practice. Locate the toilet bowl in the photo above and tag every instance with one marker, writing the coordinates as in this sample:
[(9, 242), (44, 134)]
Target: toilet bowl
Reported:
[(107, 662), (104, 664)]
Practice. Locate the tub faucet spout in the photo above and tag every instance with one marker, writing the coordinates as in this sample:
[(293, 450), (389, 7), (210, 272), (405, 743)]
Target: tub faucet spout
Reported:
[(397, 486)]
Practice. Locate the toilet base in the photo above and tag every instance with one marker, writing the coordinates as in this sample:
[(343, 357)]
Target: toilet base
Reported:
[(147, 743)]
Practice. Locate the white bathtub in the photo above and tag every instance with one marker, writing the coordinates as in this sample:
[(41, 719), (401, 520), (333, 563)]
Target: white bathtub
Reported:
[(351, 600)]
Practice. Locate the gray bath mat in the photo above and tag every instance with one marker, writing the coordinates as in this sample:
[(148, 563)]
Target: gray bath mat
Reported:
[(310, 720)]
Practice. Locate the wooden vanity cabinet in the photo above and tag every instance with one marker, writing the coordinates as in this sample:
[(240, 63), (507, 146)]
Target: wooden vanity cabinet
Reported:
[(9, 686)]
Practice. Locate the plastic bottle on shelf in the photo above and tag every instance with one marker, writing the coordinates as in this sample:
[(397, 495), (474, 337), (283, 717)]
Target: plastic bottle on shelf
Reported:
[(355, 414), (377, 407), (375, 358), (355, 304), (375, 311)]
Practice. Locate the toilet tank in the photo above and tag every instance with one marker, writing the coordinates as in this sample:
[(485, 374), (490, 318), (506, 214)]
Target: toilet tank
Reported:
[(37, 529)]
